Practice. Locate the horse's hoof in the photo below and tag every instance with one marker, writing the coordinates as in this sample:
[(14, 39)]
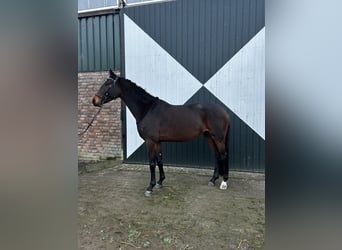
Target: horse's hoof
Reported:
[(211, 184), (148, 193), (159, 185), (223, 185)]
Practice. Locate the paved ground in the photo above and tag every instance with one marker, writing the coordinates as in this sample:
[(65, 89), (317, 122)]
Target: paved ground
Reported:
[(185, 214)]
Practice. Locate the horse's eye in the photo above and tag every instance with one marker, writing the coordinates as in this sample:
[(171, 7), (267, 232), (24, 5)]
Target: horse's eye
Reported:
[(106, 93)]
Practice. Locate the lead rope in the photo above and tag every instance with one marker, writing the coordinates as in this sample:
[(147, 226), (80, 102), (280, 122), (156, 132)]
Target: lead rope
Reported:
[(91, 122)]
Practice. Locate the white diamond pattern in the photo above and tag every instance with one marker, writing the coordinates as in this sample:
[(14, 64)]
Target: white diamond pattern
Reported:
[(239, 84)]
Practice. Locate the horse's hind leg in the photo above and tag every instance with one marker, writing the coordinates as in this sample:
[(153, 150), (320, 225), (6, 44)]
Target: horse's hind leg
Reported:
[(160, 166), (217, 160), (225, 165), (218, 131), (216, 169), (223, 159)]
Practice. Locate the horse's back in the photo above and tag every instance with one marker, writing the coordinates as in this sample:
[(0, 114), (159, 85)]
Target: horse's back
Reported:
[(194, 111), (178, 122)]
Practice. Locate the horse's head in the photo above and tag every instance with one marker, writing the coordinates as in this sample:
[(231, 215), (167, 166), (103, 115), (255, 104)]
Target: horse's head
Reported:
[(108, 91)]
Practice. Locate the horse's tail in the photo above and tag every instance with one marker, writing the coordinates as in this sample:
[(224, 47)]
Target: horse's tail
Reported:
[(227, 141)]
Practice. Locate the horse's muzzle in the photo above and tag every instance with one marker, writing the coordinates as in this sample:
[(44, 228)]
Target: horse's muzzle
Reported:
[(96, 101)]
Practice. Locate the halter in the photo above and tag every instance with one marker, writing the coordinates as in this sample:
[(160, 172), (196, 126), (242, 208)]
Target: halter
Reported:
[(106, 93)]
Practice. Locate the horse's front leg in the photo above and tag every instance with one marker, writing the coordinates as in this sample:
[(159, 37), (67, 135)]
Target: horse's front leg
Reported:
[(149, 190), (152, 161)]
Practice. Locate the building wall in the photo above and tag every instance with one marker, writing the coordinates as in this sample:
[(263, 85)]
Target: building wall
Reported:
[(103, 139), (98, 50), (182, 51), (98, 43)]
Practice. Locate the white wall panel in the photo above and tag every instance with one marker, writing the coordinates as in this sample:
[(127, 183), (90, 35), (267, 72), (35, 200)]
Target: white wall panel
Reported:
[(151, 67), (240, 83)]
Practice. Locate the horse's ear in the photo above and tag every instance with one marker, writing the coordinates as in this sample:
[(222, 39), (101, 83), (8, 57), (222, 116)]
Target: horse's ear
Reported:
[(111, 73)]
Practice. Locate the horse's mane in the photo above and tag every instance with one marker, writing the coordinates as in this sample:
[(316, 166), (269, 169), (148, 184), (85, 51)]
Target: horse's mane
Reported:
[(137, 92)]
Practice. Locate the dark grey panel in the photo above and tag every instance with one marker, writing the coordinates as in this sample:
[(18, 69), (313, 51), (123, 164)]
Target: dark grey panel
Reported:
[(79, 47), (103, 40), (110, 39), (116, 41), (90, 43), (202, 35), (83, 45), (246, 147), (99, 43)]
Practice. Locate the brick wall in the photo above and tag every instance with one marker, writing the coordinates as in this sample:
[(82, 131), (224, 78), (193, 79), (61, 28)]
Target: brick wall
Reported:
[(103, 139)]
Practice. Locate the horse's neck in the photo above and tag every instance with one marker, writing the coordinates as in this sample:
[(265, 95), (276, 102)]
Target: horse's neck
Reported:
[(137, 106), (134, 106)]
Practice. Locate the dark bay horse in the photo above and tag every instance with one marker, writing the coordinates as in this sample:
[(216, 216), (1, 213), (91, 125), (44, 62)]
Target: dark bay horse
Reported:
[(159, 121)]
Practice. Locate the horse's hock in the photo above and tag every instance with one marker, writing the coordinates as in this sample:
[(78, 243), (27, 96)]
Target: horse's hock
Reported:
[(103, 139)]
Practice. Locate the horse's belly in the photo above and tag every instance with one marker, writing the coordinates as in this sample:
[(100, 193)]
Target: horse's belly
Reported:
[(180, 131)]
